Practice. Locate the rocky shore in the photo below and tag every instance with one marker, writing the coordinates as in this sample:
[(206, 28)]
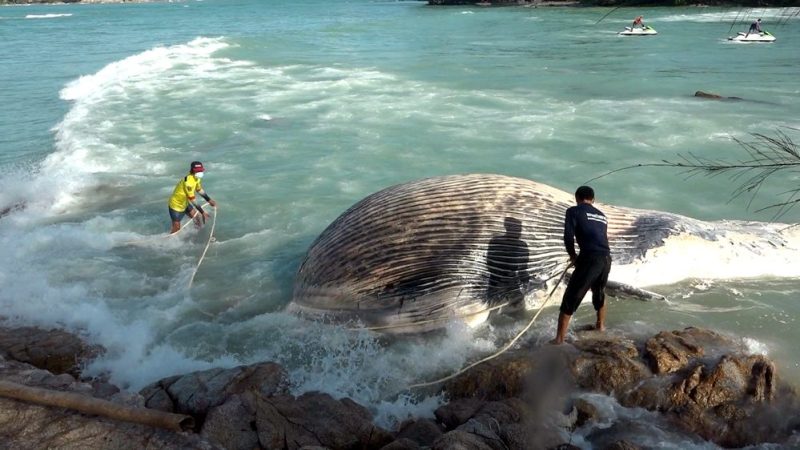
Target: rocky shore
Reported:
[(698, 385)]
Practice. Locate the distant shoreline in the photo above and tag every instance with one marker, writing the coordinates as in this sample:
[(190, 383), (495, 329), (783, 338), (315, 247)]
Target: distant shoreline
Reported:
[(78, 2), (617, 3), (485, 3)]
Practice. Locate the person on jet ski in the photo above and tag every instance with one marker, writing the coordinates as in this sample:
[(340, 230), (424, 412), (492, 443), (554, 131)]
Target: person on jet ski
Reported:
[(637, 21), (755, 27)]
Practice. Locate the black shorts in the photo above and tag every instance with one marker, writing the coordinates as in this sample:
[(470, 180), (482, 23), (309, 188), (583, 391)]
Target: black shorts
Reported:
[(591, 272)]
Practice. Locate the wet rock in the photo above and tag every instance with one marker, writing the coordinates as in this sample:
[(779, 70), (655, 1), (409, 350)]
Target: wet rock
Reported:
[(457, 412), (710, 95), (196, 392), (608, 365), (734, 378), (460, 440), (315, 418), (496, 379), (232, 425), (715, 402), (727, 401), (422, 431), (622, 445), (670, 351), (586, 412), (53, 350), (506, 411), (487, 432), (402, 444), (713, 96), (26, 374), (27, 426)]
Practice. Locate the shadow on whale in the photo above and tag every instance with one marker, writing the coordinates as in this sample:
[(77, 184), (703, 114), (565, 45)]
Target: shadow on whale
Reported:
[(415, 256)]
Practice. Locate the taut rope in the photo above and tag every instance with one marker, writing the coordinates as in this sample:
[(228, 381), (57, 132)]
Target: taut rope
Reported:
[(506, 347), (210, 239)]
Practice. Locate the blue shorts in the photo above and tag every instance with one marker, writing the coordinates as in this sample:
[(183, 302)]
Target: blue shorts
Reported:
[(177, 216)]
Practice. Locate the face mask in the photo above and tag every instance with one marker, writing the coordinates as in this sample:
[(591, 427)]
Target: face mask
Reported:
[(198, 175)]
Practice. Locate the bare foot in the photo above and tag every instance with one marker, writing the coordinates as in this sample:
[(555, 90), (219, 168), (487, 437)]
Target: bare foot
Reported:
[(556, 342), (599, 327)]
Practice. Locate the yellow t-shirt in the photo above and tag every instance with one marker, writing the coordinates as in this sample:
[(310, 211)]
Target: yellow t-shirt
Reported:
[(184, 191)]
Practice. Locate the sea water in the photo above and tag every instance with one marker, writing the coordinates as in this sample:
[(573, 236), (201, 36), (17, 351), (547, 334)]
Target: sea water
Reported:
[(300, 109)]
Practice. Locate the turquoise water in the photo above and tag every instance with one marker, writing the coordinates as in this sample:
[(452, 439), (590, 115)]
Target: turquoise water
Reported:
[(299, 110)]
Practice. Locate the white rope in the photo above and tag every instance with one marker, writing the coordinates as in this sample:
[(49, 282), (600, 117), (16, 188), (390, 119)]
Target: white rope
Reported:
[(210, 239), (505, 348), (162, 236)]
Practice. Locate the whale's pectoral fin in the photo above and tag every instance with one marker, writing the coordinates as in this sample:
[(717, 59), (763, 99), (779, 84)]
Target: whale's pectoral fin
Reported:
[(622, 290)]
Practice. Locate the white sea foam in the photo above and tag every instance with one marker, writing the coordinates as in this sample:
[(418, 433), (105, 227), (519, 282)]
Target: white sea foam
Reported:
[(738, 15), (754, 347), (86, 151), (46, 16)]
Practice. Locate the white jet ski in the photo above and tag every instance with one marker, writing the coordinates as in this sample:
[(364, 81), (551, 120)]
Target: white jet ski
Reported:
[(646, 31), (764, 36)]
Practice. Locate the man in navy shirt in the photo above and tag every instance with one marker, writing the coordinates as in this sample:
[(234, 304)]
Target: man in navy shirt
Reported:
[(589, 227)]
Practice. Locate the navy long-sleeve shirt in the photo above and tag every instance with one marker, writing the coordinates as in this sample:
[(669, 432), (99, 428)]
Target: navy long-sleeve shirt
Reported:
[(589, 227)]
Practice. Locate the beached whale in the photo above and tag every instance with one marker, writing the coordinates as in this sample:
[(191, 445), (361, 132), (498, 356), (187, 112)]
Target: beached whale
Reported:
[(414, 256)]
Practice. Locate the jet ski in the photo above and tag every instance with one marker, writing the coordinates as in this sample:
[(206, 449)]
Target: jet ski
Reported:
[(646, 31), (764, 36)]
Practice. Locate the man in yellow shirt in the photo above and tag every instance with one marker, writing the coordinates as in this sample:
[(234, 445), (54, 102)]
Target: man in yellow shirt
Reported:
[(183, 197)]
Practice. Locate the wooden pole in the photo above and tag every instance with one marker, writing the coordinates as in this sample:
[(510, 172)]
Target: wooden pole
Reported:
[(96, 406)]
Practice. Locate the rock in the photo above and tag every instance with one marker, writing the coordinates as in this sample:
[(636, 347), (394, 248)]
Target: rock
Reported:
[(26, 374), (725, 401), (26, 426), (622, 445), (500, 413), (669, 352), (587, 412), (232, 425), (457, 412), (315, 418), (496, 379), (707, 95), (608, 365), (712, 96), (196, 392), (53, 350), (488, 433), (421, 431), (459, 440), (401, 444), (734, 378)]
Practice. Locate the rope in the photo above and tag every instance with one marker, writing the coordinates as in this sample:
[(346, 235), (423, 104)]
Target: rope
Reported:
[(443, 319), (162, 236), (210, 239), (506, 347)]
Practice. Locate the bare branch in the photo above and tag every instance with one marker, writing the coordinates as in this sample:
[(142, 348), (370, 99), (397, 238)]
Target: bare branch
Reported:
[(766, 156)]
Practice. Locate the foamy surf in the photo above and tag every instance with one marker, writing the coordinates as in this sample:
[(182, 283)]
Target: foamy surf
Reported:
[(742, 14), (46, 16)]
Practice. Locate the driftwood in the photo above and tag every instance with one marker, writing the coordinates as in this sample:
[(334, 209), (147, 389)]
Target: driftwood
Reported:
[(96, 406)]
